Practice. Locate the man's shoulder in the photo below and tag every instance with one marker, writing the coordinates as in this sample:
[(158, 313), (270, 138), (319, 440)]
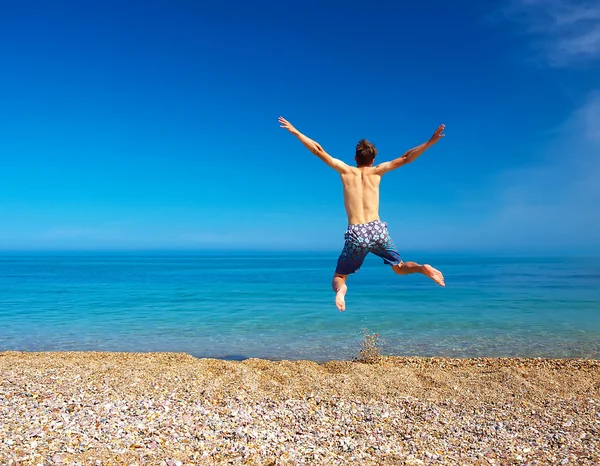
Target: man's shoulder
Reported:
[(352, 170), (372, 171)]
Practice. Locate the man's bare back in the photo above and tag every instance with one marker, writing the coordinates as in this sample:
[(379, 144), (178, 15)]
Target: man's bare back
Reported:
[(361, 194), (366, 233)]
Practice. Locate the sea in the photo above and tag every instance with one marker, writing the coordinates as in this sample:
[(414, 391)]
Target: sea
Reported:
[(279, 305)]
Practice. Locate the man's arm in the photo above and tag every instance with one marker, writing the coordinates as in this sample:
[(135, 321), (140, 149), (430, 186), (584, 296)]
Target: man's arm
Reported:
[(315, 147), (412, 154)]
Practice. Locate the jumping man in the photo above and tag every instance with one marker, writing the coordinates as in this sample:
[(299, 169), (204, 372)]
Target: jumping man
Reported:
[(366, 233)]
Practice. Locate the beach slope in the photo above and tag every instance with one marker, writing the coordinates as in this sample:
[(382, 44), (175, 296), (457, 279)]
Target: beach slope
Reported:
[(167, 408)]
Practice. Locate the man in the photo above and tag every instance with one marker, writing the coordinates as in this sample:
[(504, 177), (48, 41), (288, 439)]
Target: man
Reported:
[(366, 233)]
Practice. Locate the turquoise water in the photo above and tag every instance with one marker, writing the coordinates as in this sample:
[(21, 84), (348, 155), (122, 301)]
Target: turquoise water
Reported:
[(279, 305)]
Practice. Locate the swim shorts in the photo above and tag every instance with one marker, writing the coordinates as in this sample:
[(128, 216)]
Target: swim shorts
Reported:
[(361, 239)]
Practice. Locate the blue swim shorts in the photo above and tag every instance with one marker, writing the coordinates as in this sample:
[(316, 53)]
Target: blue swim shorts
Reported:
[(361, 239)]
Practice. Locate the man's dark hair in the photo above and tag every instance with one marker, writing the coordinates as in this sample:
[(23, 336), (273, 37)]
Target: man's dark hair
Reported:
[(365, 153)]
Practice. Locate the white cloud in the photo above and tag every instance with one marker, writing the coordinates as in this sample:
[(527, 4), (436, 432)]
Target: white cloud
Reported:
[(565, 31)]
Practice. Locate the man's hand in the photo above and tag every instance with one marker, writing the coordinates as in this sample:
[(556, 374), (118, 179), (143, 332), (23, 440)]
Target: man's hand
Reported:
[(439, 134), (287, 125), (412, 154), (315, 147)]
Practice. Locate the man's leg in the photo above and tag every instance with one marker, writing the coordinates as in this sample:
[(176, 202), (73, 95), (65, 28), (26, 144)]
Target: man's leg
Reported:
[(350, 260), (339, 286), (405, 268), (383, 246)]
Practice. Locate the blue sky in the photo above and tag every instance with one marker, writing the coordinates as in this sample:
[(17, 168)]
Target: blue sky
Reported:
[(153, 125)]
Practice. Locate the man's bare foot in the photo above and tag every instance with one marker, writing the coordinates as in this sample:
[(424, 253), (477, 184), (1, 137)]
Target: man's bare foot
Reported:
[(340, 301), (434, 274)]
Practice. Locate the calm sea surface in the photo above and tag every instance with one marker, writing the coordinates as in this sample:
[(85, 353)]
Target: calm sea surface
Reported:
[(280, 306)]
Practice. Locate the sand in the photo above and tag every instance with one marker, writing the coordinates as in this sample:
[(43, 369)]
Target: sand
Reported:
[(173, 409)]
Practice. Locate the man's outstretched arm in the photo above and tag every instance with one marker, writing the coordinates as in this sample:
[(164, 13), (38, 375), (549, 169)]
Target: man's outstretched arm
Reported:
[(412, 154), (314, 147)]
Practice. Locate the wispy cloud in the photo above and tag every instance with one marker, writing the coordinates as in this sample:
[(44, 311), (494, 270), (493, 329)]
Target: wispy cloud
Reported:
[(67, 233), (548, 206), (556, 202), (564, 31)]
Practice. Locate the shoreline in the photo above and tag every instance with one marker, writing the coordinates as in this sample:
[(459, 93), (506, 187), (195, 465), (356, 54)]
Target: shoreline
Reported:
[(172, 408)]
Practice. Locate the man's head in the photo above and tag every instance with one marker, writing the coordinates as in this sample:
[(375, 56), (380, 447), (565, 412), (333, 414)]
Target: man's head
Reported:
[(365, 153)]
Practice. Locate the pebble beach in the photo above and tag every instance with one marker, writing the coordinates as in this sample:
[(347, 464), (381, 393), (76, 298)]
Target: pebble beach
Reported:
[(173, 409)]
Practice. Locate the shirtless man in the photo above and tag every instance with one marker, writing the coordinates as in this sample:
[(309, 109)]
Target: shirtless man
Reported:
[(366, 233)]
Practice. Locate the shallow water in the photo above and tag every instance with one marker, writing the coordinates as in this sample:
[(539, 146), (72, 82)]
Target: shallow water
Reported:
[(280, 305)]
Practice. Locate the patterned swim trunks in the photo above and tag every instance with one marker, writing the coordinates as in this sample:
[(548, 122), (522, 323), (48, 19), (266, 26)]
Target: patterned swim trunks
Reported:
[(361, 239)]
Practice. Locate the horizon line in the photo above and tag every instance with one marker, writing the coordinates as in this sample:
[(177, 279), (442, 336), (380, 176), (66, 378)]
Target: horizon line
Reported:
[(508, 252)]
